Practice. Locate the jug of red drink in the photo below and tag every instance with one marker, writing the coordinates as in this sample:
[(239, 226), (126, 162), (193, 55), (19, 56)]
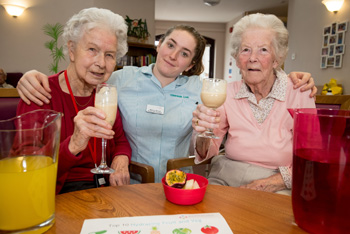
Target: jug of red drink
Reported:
[(321, 170)]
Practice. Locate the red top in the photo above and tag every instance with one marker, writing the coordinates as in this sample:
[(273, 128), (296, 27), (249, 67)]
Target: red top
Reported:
[(77, 167)]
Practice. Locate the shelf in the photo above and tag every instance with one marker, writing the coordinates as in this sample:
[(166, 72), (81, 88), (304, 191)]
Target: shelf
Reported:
[(139, 54), (141, 45)]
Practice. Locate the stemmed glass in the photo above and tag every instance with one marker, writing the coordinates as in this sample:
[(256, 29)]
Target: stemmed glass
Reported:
[(213, 95), (106, 99)]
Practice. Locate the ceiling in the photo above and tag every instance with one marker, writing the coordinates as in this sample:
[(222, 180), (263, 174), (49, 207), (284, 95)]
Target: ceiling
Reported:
[(225, 11)]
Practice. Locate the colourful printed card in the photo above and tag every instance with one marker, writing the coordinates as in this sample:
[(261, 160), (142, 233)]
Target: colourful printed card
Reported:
[(207, 223)]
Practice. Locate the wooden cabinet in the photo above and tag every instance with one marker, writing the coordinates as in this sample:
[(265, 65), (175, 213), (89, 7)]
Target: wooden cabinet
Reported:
[(341, 102), (139, 54)]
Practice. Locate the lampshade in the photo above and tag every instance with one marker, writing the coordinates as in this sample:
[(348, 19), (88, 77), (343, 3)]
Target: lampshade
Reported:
[(14, 10), (211, 2), (333, 5)]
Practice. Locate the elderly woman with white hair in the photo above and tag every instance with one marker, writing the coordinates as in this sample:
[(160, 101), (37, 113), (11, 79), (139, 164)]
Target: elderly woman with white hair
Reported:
[(94, 39), (254, 117)]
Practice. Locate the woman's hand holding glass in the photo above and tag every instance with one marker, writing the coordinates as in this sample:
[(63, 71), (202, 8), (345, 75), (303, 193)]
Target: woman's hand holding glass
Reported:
[(205, 118), (88, 123)]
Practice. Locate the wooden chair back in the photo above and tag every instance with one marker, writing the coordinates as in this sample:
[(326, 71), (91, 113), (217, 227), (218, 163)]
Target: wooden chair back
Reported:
[(201, 169), (145, 171)]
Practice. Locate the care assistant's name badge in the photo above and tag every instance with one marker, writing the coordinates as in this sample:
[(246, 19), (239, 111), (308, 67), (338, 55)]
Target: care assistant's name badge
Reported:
[(155, 109)]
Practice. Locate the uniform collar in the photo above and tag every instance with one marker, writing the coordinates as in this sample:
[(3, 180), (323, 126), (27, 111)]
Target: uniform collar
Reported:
[(278, 90), (180, 80)]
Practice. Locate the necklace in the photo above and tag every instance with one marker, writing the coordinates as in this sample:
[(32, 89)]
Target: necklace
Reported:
[(70, 91), (83, 105)]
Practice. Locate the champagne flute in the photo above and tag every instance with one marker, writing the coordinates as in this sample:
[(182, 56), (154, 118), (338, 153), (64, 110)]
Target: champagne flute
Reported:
[(213, 95), (106, 99)]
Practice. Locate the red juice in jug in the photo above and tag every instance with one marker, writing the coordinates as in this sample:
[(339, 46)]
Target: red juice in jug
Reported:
[(321, 191)]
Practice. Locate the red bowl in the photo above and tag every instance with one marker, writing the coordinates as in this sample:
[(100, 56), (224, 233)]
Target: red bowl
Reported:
[(186, 196)]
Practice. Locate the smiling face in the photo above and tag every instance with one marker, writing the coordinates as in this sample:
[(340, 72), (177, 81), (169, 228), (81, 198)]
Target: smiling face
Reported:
[(175, 55), (256, 57), (93, 57)]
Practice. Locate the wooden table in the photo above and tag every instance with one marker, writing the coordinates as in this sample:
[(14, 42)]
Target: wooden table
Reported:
[(246, 211)]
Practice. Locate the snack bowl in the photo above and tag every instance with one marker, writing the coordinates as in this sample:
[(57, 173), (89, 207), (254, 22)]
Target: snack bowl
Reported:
[(186, 196)]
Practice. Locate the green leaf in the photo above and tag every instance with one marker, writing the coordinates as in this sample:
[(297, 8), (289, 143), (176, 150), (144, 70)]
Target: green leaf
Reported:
[(53, 68), (50, 45), (60, 54), (54, 31)]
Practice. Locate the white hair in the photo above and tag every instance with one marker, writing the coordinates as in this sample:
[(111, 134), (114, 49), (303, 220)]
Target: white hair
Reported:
[(5, 74), (91, 18), (265, 21)]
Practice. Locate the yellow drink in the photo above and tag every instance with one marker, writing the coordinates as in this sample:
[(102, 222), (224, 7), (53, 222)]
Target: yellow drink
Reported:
[(27, 192)]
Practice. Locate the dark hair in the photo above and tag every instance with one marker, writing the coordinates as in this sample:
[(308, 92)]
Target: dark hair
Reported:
[(198, 66)]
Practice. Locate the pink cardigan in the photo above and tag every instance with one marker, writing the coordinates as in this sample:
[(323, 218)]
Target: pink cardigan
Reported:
[(269, 144)]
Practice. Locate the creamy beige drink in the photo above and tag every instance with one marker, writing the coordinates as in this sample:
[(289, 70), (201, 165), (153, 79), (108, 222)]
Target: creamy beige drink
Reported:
[(110, 111), (107, 100), (213, 100), (213, 92), (213, 95)]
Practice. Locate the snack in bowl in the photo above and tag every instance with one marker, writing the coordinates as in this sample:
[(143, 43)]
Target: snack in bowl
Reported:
[(175, 178), (191, 184), (181, 196)]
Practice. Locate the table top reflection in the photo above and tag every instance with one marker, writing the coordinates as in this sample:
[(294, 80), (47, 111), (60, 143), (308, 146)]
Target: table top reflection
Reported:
[(245, 211)]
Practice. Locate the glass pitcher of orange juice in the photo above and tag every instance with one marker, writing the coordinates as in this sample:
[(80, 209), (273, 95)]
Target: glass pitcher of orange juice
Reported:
[(29, 146)]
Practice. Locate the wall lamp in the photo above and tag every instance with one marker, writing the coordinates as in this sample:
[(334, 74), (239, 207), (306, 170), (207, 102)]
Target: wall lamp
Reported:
[(333, 5), (211, 2), (14, 10)]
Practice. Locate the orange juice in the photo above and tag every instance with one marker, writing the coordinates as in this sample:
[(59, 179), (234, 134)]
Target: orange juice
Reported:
[(27, 192)]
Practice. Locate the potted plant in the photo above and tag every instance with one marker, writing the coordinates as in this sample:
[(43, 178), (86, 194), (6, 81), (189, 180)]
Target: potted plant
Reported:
[(137, 30), (54, 31)]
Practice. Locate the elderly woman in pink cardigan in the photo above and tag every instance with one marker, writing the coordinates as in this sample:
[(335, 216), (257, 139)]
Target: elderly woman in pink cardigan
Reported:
[(254, 117)]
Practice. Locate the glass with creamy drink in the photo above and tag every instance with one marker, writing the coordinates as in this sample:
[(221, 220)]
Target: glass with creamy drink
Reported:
[(106, 99), (213, 95)]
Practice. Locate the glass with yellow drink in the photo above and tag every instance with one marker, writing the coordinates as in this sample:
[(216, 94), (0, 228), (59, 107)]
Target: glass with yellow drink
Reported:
[(29, 147)]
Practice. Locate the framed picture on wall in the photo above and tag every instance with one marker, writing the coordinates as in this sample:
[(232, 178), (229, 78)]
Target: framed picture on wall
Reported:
[(330, 61), (324, 62), (325, 40), (339, 49), (340, 38), (324, 51), (334, 28), (331, 50), (338, 61), (332, 39), (327, 30), (342, 27)]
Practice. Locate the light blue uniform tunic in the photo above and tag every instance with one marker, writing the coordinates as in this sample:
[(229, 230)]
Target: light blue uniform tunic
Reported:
[(155, 138)]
